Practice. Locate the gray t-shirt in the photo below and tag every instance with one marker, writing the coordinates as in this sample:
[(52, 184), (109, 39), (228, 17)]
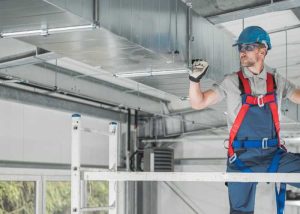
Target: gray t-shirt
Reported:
[(229, 88)]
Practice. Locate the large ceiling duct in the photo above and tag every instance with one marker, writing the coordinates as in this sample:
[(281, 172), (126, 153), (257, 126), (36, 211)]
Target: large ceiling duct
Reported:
[(162, 26)]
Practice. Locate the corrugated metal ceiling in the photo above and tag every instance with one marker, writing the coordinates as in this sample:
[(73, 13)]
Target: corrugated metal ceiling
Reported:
[(34, 14), (141, 35)]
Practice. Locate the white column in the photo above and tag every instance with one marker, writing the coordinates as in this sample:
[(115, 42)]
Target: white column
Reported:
[(39, 198), (113, 163), (75, 165)]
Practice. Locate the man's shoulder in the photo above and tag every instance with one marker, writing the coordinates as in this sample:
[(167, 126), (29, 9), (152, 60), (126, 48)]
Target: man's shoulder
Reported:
[(229, 81), (231, 77)]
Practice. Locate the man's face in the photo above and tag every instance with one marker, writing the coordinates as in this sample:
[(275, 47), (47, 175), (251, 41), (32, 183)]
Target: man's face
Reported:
[(249, 54)]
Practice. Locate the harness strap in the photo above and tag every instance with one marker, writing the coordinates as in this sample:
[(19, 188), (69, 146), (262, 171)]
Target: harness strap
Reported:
[(275, 162), (241, 166), (264, 144), (274, 110), (270, 83), (280, 198), (235, 127), (273, 105), (241, 115), (247, 88), (280, 195), (252, 100), (271, 100)]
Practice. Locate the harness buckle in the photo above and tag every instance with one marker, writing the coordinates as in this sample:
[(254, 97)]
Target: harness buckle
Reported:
[(226, 143), (264, 143), (282, 142), (260, 101), (282, 145), (232, 158)]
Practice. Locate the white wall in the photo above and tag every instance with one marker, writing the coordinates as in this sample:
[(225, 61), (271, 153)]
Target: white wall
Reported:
[(36, 134)]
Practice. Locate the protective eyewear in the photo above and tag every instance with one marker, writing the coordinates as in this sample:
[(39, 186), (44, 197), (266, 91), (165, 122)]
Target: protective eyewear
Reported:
[(247, 47)]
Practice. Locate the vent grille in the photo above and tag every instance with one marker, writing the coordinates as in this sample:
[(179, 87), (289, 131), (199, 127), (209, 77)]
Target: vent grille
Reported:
[(159, 160)]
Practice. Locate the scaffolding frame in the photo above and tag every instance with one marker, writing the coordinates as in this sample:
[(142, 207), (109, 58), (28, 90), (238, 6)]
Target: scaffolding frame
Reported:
[(192, 176), (113, 176), (77, 206)]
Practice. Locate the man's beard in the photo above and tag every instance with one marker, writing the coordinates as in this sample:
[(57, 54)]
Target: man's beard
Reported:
[(246, 63)]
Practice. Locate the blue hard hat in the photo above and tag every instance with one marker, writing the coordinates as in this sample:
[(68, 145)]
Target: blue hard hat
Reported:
[(254, 34)]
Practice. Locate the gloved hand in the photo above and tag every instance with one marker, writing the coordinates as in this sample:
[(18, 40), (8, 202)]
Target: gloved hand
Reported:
[(199, 68)]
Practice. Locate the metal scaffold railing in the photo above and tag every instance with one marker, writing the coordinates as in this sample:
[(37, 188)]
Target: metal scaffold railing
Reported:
[(113, 176), (76, 169), (193, 176)]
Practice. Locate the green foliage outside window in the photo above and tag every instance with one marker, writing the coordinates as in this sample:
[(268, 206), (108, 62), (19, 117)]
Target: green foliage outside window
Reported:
[(97, 194), (17, 197), (58, 197)]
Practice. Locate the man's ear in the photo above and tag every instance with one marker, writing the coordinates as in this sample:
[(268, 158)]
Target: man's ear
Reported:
[(263, 51)]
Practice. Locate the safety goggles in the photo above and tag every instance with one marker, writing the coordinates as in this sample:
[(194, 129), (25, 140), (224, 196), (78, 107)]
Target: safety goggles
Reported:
[(247, 47)]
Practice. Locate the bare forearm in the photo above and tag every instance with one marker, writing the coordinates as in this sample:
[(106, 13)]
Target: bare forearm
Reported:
[(196, 96), (295, 97), (200, 99)]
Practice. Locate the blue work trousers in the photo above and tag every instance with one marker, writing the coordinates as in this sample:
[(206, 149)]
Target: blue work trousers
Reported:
[(242, 195)]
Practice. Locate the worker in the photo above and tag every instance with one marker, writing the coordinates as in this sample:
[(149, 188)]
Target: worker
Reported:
[(254, 95)]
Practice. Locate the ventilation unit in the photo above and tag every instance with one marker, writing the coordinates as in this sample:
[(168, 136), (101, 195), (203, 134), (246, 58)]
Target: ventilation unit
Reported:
[(159, 160)]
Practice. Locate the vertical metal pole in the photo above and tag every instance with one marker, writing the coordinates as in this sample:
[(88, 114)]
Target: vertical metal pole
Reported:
[(128, 140), (39, 195), (75, 165), (113, 163), (134, 185), (96, 13), (128, 150), (189, 31), (285, 105), (44, 190), (243, 24)]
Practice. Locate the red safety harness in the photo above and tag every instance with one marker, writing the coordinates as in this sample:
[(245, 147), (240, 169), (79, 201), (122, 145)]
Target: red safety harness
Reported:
[(269, 98), (249, 101)]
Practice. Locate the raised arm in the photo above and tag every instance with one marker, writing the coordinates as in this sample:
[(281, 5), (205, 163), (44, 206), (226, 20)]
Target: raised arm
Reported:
[(199, 99), (295, 96)]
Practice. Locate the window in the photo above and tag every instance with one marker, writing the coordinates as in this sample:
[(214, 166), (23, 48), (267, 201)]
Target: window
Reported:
[(17, 197), (97, 194), (58, 197)]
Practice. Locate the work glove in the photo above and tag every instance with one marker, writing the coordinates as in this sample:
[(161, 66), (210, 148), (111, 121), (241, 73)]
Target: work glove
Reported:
[(199, 68)]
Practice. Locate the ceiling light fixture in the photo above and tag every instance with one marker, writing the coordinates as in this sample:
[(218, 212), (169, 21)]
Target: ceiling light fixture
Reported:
[(152, 73), (72, 28), (45, 32), (21, 33)]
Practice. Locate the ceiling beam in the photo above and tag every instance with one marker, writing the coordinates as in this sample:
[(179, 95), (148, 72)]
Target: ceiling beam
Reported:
[(27, 59), (245, 13), (284, 29), (63, 103), (66, 82)]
